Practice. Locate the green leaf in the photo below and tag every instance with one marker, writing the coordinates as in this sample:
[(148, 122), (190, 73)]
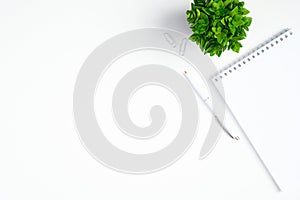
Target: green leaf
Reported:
[(241, 4), (234, 11), (223, 21), (227, 2), (193, 6), (209, 4), (199, 2), (219, 38), (207, 11), (236, 47), (244, 11), (218, 25), (219, 53), (198, 13), (232, 28), (248, 21)]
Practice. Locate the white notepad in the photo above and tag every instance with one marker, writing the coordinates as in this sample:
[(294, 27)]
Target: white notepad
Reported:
[(263, 92)]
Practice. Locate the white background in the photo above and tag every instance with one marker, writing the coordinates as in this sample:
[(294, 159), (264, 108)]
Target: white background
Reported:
[(42, 47)]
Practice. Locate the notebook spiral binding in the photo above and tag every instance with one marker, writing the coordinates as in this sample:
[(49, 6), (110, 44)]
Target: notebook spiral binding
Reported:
[(265, 46)]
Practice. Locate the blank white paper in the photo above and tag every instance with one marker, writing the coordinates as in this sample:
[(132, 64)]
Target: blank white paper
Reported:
[(263, 93)]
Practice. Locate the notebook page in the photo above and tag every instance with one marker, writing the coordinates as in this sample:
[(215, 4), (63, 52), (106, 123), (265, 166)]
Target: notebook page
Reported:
[(263, 93)]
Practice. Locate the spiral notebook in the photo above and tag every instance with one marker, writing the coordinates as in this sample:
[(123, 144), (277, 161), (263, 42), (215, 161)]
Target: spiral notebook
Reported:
[(262, 90)]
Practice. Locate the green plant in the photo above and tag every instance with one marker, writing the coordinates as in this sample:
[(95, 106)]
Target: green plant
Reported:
[(218, 25)]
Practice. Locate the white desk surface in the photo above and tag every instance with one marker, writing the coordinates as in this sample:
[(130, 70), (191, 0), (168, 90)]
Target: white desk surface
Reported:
[(43, 45)]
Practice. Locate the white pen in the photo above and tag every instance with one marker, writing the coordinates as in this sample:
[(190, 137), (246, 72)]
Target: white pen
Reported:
[(209, 108)]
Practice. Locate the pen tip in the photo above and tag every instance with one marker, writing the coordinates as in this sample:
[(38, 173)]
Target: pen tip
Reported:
[(185, 72)]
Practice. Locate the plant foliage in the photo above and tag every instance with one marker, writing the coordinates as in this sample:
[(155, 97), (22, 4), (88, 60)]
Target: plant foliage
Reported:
[(218, 25)]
